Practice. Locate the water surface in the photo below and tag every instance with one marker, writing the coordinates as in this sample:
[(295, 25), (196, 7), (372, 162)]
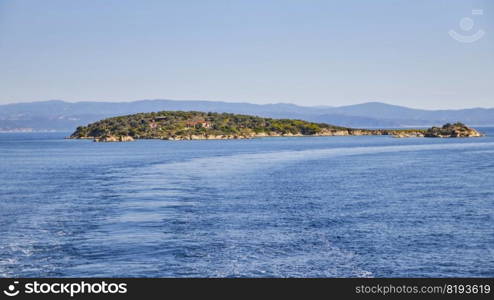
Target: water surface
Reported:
[(307, 207)]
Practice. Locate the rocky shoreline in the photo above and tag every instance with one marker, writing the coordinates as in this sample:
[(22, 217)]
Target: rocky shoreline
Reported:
[(457, 130)]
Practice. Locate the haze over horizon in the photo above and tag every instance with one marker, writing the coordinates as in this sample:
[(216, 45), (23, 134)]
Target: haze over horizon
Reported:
[(247, 102), (308, 53)]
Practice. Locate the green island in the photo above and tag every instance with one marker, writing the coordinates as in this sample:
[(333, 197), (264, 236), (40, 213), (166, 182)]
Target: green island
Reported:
[(194, 125)]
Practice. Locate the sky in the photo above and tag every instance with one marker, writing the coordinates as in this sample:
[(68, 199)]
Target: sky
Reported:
[(307, 52)]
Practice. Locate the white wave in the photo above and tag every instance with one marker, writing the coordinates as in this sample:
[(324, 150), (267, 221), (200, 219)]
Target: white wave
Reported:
[(225, 165)]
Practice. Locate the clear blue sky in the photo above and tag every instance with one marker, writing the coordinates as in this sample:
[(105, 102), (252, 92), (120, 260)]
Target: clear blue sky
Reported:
[(304, 52)]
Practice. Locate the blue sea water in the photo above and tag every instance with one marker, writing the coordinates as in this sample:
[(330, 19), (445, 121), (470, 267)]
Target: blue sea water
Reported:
[(273, 207)]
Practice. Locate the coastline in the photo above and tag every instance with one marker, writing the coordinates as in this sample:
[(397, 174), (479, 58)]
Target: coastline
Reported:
[(403, 133), (194, 125)]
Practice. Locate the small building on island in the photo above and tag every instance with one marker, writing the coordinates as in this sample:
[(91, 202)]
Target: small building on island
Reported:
[(195, 124)]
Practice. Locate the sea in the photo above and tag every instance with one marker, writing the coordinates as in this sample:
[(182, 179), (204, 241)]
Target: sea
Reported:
[(365, 206)]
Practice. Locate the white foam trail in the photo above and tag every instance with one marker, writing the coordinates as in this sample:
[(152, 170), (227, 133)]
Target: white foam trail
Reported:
[(164, 182), (247, 162)]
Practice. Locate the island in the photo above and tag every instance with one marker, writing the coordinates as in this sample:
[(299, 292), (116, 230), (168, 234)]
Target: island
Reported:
[(194, 125)]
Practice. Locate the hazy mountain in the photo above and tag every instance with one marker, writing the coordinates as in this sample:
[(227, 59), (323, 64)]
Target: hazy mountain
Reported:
[(66, 116), (408, 116)]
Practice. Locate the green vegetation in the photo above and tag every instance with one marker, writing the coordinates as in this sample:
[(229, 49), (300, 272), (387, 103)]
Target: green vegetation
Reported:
[(178, 124), (185, 125)]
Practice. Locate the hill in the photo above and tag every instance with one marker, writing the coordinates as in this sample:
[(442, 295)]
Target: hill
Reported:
[(65, 116), (180, 125), (193, 125)]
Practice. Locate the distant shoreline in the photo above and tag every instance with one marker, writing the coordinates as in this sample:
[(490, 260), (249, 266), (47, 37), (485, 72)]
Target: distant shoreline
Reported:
[(33, 131)]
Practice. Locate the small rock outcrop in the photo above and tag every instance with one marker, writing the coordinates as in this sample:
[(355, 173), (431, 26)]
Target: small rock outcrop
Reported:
[(456, 130)]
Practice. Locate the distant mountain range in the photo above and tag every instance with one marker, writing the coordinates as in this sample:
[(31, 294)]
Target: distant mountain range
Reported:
[(57, 115)]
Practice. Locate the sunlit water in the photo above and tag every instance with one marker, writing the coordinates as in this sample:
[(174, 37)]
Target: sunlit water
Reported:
[(305, 207)]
